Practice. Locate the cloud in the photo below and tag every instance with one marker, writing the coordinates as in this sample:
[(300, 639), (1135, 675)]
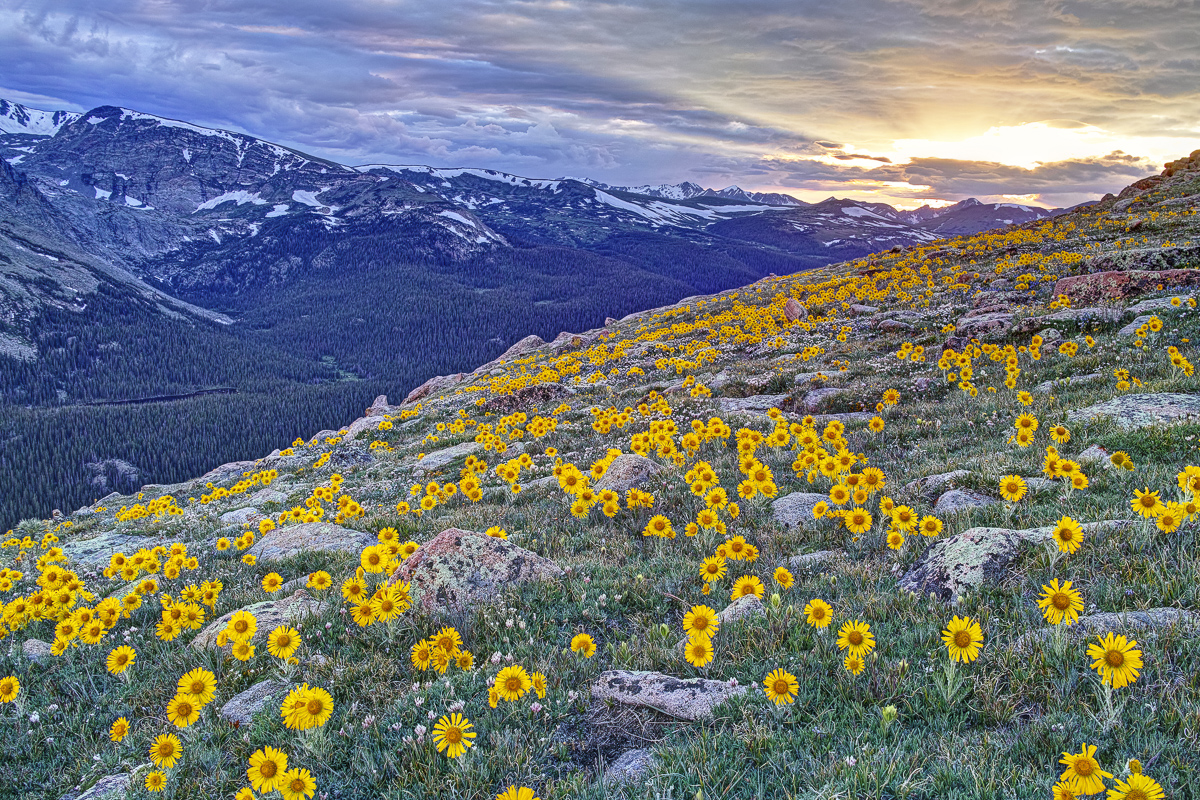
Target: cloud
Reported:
[(640, 91)]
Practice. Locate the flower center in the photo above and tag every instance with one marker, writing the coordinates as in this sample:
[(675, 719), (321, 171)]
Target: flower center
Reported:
[(453, 736), (1083, 768), (513, 683), (962, 639), (1115, 658), (197, 687), (855, 638), (315, 707), (267, 769), (782, 687), (1061, 601)]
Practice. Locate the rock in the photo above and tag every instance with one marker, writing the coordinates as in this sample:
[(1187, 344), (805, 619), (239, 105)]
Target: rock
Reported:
[(609, 321), (795, 510), (1150, 620), (368, 424), (1095, 455), (1157, 304), (1001, 285), (524, 398), (793, 310), (1079, 316), (447, 455), (433, 386), (859, 310), (96, 552), (110, 787), (37, 651), (1045, 387), (893, 326), (692, 699), (227, 471), (1134, 411), (929, 487), (818, 397), (241, 708), (808, 377), (630, 767), (1118, 285), (379, 407), (996, 323), (812, 560), (240, 516), (755, 404), (269, 614), (1036, 484), (957, 500), (1050, 336), (743, 607), (264, 496), (457, 569), (977, 556), (627, 471), (308, 537), (1131, 328), (527, 345)]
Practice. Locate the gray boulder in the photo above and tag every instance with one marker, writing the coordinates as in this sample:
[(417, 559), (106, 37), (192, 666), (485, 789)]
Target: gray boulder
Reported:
[(957, 500), (96, 551), (796, 509), (37, 651), (1134, 411), (309, 537), (1045, 387), (690, 700), (755, 404), (929, 487), (627, 471), (1123, 622), (110, 787), (268, 614), (241, 708), (630, 767)]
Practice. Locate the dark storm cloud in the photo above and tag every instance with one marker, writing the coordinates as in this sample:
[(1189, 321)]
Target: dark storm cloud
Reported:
[(632, 91)]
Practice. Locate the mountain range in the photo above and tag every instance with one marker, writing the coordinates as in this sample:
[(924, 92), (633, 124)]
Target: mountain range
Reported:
[(143, 257)]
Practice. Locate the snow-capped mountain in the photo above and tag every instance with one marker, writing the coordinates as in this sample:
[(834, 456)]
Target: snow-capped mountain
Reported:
[(688, 190), (16, 118)]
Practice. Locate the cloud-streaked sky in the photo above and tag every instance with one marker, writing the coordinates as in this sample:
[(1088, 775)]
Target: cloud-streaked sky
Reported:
[(905, 101)]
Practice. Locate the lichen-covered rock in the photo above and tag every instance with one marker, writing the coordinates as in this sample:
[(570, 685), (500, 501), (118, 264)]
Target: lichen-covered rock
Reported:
[(1132, 328), (96, 551), (957, 500), (627, 471), (241, 708), (527, 345), (1045, 387), (1118, 285), (457, 569), (433, 386), (1095, 455), (1158, 304), (742, 608), (447, 455), (977, 556), (796, 509), (630, 767), (240, 516), (812, 560), (818, 397), (37, 651), (686, 699), (1133, 411), (1124, 622), (110, 787), (929, 487), (269, 615), (309, 537), (755, 404), (993, 324)]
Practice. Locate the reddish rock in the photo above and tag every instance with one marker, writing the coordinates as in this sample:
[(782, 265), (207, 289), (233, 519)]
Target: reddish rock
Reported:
[(433, 386), (1120, 285), (793, 310), (458, 568)]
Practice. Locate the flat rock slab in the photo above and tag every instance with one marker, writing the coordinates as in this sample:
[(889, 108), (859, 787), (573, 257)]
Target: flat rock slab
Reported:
[(997, 323), (1045, 387), (309, 537), (268, 495), (1132, 328), (812, 560), (96, 552), (457, 569), (692, 699), (37, 651), (1134, 411), (957, 500), (1158, 304), (795, 510), (240, 516), (630, 767), (929, 487), (964, 563), (241, 708), (269, 615), (817, 397), (110, 787), (742, 608), (441, 458), (627, 471), (1152, 619), (755, 404), (1118, 285)]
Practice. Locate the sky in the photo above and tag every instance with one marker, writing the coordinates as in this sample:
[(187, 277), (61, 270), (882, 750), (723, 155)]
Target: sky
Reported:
[(903, 101)]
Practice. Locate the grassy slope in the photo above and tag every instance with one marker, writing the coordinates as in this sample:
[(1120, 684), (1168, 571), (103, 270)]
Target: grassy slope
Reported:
[(1022, 711)]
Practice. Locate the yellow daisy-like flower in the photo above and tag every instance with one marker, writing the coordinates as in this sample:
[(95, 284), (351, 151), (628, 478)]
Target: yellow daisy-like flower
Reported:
[(930, 526), (781, 687), (895, 539), (1147, 503), (583, 645), (1068, 535), (199, 686), (818, 613), (746, 586), (1060, 603), (447, 639), (242, 626), (1083, 771), (1012, 488), (296, 784), (538, 680), (1138, 787), (858, 520), (306, 707), (166, 750), (856, 638), (698, 650), (183, 710), (1060, 434), (853, 664), (272, 581), (155, 781), (119, 729), (120, 659), (784, 578), (515, 793), (701, 621), (267, 768), (453, 735), (1116, 659), (962, 638), (513, 682), (283, 641)]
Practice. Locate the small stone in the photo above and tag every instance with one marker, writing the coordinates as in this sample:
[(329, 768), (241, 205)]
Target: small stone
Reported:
[(1045, 387), (630, 767), (37, 651), (859, 310), (240, 516), (241, 708), (818, 397), (929, 487), (1094, 455), (755, 404), (743, 607), (793, 310), (796, 510), (812, 560), (110, 787), (685, 699), (957, 500), (626, 471)]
